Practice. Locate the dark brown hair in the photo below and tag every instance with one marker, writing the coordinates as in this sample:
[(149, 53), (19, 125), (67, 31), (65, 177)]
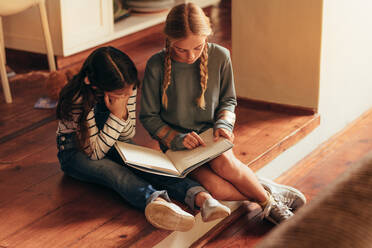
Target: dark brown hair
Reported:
[(107, 69)]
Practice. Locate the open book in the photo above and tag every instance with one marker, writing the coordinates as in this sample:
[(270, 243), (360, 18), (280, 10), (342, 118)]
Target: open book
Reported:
[(172, 163)]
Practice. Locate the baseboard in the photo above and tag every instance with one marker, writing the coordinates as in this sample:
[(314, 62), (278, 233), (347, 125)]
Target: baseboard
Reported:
[(278, 107)]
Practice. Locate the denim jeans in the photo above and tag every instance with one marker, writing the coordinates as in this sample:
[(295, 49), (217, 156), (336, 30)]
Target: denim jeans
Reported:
[(136, 187)]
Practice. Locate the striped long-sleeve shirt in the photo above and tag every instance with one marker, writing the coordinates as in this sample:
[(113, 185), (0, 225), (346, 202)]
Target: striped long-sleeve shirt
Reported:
[(100, 141)]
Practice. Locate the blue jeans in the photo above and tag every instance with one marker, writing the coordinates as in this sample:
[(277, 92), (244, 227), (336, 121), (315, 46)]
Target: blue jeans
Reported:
[(137, 187)]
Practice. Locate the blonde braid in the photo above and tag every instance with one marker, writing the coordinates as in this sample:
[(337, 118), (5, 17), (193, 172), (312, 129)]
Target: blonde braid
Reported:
[(167, 73), (203, 76)]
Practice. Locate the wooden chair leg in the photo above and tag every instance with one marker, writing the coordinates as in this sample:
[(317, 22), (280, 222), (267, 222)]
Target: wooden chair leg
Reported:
[(2, 42), (4, 76), (48, 40)]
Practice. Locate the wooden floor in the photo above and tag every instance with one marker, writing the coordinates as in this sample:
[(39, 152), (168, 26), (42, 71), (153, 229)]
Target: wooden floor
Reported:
[(40, 207), (311, 176)]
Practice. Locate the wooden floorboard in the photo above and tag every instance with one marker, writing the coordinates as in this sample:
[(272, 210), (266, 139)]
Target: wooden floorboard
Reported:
[(74, 218), (258, 127), (28, 143), (21, 114), (27, 160), (311, 176)]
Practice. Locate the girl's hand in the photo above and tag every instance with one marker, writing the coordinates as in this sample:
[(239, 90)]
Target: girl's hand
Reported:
[(117, 105), (193, 140), (221, 132), (116, 101)]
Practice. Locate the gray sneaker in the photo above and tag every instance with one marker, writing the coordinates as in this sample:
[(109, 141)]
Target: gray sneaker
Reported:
[(287, 195), (276, 212)]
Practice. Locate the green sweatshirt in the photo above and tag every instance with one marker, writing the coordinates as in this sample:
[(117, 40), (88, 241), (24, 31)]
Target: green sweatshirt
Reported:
[(183, 115)]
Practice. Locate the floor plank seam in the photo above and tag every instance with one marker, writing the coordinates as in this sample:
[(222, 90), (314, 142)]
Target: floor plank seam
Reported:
[(35, 221), (11, 163), (29, 187), (138, 237), (298, 130), (94, 229), (27, 129)]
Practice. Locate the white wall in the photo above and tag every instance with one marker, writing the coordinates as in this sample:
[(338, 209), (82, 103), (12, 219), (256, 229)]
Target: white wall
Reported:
[(276, 50), (345, 76), (346, 62)]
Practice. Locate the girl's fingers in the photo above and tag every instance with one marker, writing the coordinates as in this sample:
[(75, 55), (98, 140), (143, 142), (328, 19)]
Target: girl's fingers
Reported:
[(192, 143), (192, 140), (187, 144), (200, 141), (228, 135), (224, 133), (115, 105), (216, 134), (189, 147)]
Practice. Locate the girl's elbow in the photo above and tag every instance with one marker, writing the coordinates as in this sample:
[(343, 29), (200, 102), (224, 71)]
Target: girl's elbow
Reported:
[(132, 134)]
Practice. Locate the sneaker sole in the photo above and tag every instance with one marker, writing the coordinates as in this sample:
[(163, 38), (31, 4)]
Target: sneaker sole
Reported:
[(289, 188), (163, 217)]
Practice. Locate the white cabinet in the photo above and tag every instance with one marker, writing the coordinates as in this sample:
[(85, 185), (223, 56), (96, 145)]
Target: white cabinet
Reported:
[(84, 23), (76, 25)]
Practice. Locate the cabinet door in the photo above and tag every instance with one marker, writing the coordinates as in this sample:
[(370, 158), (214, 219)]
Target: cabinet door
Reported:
[(84, 22)]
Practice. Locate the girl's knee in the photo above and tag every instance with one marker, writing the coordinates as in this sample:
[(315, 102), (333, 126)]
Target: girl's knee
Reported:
[(224, 166)]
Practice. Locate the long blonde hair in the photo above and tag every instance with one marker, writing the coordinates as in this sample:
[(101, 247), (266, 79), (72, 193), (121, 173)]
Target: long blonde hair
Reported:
[(183, 20)]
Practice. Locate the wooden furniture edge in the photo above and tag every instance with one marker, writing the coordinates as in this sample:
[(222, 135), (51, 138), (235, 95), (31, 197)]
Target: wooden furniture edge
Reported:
[(288, 141), (277, 107)]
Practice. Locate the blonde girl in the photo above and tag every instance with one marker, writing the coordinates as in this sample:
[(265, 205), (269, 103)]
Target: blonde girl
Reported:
[(189, 87)]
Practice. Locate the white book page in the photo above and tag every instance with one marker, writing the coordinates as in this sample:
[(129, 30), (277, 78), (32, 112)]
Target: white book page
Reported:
[(186, 158), (146, 157)]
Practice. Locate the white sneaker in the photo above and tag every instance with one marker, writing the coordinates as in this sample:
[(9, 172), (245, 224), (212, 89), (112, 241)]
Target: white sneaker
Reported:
[(287, 195), (276, 212), (168, 216), (213, 209)]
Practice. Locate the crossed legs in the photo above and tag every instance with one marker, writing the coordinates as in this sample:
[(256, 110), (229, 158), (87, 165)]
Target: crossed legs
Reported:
[(228, 179)]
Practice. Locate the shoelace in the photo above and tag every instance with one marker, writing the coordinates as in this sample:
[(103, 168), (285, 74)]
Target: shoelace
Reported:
[(278, 208), (285, 200)]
